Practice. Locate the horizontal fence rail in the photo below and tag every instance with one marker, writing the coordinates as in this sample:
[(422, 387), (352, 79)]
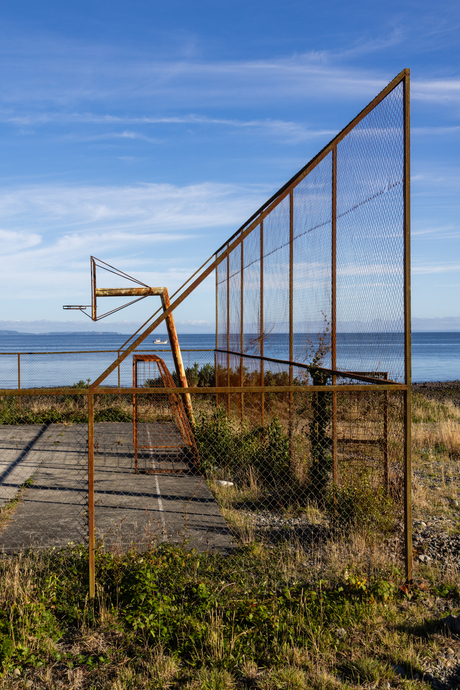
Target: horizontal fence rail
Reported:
[(63, 368)]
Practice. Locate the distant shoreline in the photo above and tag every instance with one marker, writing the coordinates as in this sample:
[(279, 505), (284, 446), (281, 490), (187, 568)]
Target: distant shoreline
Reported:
[(441, 391), (11, 332), (63, 333)]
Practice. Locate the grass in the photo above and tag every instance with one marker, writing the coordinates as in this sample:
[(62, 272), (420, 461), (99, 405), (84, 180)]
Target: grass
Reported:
[(436, 461), (67, 408), (330, 615), (7, 511), (172, 618)]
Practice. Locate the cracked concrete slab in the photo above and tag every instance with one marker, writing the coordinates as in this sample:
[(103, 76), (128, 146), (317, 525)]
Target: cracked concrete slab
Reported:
[(130, 509)]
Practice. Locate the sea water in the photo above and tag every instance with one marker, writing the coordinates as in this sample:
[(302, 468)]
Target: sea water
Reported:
[(84, 356)]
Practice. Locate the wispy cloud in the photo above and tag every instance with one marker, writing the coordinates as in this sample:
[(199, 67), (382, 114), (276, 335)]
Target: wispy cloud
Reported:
[(438, 90), (12, 242), (437, 180), (53, 74), (146, 207), (65, 75), (436, 232), (435, 131), (136, 227), (288, 131), (436, 267), (369, 47), (126, 134)]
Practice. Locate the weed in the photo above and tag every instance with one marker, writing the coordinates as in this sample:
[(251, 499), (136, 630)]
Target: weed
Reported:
[(170, 618), (296, 616), (235, 451), (361, 506), (8, 510)]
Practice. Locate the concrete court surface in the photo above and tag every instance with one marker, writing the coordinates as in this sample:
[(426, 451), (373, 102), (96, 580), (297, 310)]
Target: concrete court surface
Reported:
[(130, 509)]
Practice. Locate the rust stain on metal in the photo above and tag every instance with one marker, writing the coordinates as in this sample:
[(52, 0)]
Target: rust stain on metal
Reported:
[(209, 390), (128, 292), (176, 353), (91, 518), (177, 405)]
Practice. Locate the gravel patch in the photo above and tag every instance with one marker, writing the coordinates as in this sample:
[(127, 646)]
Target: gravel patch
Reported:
[(273, 528), (441, 391)]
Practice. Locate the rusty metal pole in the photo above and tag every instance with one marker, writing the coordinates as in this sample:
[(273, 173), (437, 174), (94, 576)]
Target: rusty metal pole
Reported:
[(262, 373), (407, 335), (242, 333), (135, 414), (119, 379), (177, 355), (91, 521), (291, 318), (93, 289), (19, 380), (334, 314), (228, 329), (386, 458), (128, 292), (217, 333)]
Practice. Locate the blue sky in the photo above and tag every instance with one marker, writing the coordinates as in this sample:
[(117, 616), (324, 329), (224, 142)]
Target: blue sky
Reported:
[(145, 133)]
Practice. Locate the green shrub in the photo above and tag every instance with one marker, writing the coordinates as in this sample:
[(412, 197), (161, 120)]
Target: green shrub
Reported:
[(361, 507), (233, 450)]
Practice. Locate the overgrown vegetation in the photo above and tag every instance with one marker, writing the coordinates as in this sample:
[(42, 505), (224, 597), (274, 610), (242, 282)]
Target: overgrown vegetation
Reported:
[(66, 408), (325, 615), (197, 377), (274, 469), (172, 618), (436, 457), (361, 506), (237, 451)]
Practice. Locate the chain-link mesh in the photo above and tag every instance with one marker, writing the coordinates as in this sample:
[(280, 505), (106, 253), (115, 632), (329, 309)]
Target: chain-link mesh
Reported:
[(276, 287), (267, 468), (252, 314), (293, 430), (322, 274), (312, 270), (287, 308), (43, 475), (370, 241), (150, 486)]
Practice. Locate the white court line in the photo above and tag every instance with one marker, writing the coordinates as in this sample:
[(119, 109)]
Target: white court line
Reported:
[(160, 502)]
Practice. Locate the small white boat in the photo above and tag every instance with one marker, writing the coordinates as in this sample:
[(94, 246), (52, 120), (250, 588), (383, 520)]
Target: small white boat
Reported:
[(160, 342)]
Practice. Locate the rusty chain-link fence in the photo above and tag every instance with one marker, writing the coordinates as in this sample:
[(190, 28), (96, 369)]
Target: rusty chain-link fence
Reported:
[(295, 429)]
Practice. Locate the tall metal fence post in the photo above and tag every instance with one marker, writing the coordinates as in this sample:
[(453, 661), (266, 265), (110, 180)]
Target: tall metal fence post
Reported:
[(119, 380), (19, 379), (216, 383), (91, 532), (386, 457), (135, 415), (262, 338), (228, 329), (334, 313), (242, 332), (407, 335), (291, 317)]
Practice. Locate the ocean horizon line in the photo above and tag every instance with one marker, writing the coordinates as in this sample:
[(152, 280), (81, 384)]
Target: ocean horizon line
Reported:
[(208, 333)]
